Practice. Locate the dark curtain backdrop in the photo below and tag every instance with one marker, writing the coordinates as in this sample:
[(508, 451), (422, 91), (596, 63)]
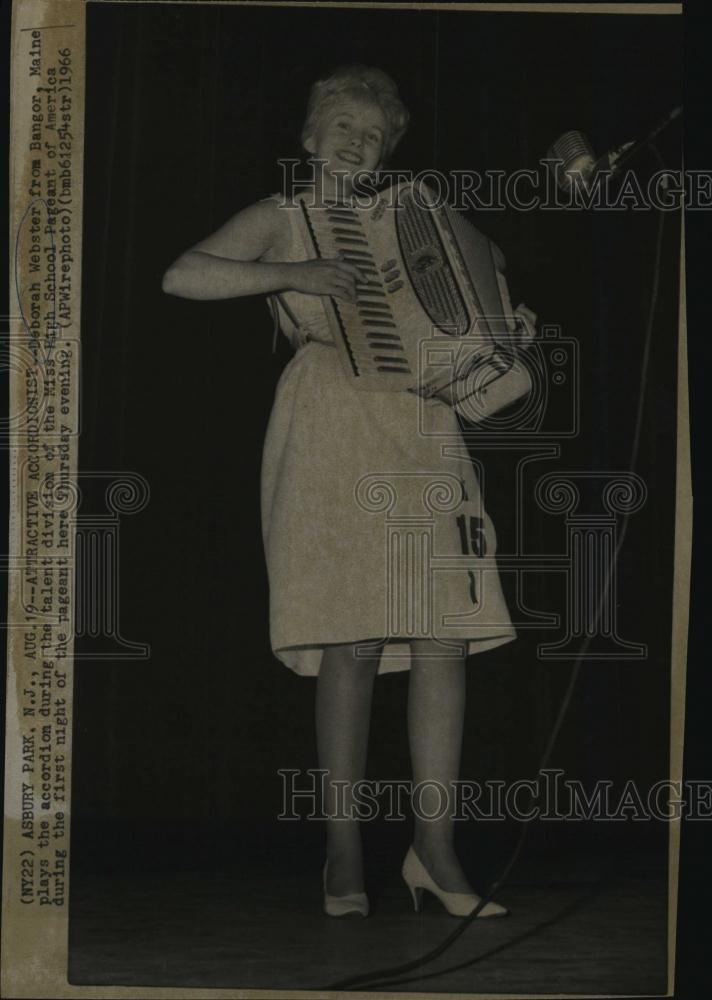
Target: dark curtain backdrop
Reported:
[(188, 109)]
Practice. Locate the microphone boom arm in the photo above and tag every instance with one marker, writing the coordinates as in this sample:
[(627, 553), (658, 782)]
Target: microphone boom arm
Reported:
[(615, 160)]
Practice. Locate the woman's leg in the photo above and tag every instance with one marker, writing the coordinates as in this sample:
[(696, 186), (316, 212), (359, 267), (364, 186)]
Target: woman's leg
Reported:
[(343, 715), (436, 712)]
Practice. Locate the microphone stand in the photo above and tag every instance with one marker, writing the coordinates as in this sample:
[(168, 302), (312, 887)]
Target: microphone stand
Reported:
[(615, 160)]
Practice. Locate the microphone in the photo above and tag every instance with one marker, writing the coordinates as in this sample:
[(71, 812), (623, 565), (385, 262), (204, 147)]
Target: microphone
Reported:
[(577, 160), (578, 165)]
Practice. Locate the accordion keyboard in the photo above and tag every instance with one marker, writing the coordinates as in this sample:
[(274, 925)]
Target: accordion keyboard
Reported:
[(368, 324)]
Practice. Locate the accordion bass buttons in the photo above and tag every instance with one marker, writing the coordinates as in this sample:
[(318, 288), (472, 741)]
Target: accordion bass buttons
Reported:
[(391, 273)]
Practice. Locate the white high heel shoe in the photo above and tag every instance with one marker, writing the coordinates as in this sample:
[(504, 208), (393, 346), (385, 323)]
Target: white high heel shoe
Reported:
[(459, 904), (339, 906)]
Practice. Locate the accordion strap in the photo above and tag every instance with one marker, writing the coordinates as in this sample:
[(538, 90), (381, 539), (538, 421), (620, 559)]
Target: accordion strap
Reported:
[(277, 297), (303, 333)]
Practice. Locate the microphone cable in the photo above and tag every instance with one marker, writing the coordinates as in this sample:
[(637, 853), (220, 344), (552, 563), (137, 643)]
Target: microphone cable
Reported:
[(378, 977)]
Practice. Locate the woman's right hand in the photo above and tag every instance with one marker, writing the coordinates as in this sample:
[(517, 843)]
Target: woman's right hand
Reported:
[(325, 277)]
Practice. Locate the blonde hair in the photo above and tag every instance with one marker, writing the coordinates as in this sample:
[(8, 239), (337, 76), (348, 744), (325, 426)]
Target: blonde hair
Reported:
[(366, 82)]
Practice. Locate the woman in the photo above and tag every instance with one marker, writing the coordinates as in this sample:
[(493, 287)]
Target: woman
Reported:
[(330, 452)]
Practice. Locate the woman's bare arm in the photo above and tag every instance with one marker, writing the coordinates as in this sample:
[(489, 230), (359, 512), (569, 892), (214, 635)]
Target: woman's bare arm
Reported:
[(227, 265)]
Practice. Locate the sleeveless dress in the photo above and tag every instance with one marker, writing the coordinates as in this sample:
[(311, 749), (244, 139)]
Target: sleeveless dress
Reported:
[(372, 518)]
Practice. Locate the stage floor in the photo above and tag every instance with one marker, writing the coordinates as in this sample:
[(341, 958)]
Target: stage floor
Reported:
[(580, 922)]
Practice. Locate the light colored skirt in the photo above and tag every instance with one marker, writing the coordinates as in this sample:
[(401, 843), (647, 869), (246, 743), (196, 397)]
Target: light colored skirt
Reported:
[(373, 522)]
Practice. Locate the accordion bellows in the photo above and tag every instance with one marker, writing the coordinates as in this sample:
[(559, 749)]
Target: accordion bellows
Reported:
[(429, 316)]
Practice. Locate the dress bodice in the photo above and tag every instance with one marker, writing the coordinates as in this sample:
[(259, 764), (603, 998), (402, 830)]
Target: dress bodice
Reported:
[(301, 317)]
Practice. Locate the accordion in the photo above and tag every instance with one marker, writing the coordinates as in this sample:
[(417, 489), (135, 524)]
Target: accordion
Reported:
[(429, 315)]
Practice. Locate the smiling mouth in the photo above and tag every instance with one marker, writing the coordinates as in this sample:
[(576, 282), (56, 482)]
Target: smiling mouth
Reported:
[(349, 157)]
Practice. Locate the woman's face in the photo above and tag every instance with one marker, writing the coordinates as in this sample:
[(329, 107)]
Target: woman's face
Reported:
[(350, 137)]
